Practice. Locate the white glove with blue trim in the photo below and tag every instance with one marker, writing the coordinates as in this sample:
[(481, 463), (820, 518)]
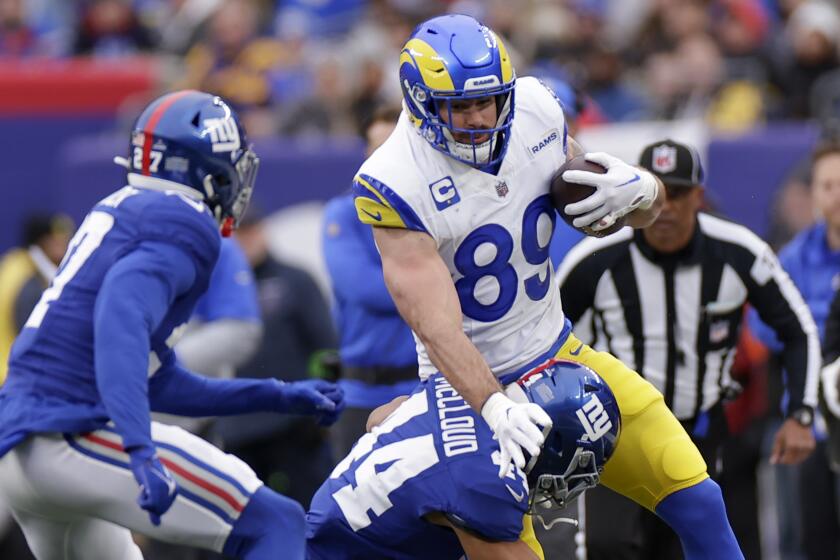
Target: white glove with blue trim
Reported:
[(619, 191), (517, 426)]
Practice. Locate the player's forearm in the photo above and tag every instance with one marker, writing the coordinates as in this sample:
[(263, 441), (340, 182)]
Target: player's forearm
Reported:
[(643, 217), (455, 356)]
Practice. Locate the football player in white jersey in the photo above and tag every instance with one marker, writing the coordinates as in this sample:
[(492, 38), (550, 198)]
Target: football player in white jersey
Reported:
[(458, 197)]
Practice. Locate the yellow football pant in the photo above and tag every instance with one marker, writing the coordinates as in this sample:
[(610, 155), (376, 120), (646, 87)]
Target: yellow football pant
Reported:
[(655, 456)]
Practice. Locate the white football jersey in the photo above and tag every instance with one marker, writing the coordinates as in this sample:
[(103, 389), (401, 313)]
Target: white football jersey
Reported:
[(492, 231)]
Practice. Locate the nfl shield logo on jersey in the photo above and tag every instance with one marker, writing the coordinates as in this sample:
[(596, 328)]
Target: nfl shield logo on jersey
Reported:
[(501, 189), (664, 159)]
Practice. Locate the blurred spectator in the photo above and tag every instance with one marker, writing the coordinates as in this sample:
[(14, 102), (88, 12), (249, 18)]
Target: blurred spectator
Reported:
[(17, 38), (378, 357), (27, 271), (320, 19), (793, 208), (322, 110), (288, 453), (667, 24), (606, 84), (684, 81), (36, 27), (233, 60), (806, 51), (111, 28), (178, 22)]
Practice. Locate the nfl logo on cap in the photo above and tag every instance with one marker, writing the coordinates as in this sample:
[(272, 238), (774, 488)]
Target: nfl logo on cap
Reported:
[(664, 158)]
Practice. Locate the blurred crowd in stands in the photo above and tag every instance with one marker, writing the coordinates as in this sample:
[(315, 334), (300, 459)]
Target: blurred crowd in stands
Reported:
[(305, 67)]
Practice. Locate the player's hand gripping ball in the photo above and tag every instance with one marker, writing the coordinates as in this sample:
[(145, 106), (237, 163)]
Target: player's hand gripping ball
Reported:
[(564, 192)]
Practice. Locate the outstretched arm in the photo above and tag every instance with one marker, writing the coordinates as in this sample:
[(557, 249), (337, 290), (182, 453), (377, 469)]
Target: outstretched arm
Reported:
[(175, 390)]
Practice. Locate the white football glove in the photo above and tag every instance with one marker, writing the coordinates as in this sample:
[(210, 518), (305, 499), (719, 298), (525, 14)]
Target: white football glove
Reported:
[(517, 426), (620, 190)]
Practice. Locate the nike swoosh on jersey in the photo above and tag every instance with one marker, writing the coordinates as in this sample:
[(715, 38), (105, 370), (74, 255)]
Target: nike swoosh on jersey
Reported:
[(518, 497), (576, 351), (377, 216)]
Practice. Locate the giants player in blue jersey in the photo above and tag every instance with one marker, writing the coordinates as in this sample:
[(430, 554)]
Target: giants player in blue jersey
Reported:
[(76, 440), (424, 482)]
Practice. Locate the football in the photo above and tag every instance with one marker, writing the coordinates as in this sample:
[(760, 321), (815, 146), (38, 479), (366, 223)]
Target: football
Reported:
[(563, 193)]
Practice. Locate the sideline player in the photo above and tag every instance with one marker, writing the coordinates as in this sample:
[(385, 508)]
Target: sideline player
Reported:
[(95, 357), (441, 496), (458, 197)]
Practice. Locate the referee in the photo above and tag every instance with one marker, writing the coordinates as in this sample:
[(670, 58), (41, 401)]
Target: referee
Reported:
[(669, 299)]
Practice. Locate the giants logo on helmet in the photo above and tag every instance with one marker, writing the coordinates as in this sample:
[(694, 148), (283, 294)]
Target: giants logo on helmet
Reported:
[(224, 135), (594, 419)]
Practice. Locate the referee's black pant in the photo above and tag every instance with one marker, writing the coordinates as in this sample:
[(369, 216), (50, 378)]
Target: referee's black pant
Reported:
[(619, 529)]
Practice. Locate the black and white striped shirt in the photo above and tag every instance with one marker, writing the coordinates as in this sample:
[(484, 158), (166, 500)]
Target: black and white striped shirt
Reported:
[(676, 318)]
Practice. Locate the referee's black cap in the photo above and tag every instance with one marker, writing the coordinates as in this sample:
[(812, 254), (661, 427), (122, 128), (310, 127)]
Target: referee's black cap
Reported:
[(676, 164)]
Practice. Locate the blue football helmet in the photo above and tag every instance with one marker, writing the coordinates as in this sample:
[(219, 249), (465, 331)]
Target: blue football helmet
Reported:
[(451, 58), (587, 424), (196, 140)]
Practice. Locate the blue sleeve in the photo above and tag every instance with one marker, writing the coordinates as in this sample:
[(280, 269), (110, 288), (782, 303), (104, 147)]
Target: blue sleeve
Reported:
[(494, 508), (176, 390), (353, 260), (232, 293), (135, 296)]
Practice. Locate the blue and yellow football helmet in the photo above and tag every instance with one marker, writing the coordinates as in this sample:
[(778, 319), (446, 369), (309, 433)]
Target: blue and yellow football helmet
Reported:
[(195, 139), (454, 57), (587, 424)]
